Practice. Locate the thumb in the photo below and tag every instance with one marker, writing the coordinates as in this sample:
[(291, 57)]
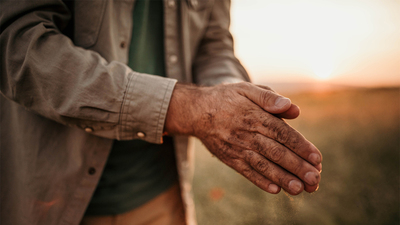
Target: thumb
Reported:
[(266, 98)]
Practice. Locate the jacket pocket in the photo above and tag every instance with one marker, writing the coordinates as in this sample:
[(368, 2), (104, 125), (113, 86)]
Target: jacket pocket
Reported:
[(88, 19)]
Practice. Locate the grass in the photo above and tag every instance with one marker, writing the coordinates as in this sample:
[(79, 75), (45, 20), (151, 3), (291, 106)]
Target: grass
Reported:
[(358, 133)]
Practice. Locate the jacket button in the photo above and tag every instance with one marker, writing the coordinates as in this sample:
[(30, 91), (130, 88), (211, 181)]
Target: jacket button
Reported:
[(92, 170), (89, 129), (171, 3), (141, 134), (122, 44), (173, 58), (195, 3)]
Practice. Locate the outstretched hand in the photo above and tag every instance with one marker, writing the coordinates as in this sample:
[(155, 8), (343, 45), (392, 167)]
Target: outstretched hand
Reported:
[(241, 125)]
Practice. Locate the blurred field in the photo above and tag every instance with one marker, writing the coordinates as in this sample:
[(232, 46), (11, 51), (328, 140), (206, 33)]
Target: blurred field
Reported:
[(358, 133)]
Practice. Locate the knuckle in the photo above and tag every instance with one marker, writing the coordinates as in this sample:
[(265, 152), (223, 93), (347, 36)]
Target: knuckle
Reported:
[(246, 84), (282, 134), (262, 166), (247, 172), (297, 167), (243, 85), (238, 154), (293, 141), (284, 181), (237, 164), (276, 153), (256, 145), (257, 182), (249, 155), (268, 123), (265, 96)]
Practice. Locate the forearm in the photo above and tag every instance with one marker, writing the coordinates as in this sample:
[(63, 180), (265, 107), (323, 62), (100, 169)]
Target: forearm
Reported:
[(43, 71)]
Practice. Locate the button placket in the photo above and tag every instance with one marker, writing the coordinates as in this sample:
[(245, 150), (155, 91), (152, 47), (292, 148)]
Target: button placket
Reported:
[(172, 46), (173, 58), (194, 3), (123, 44), (171, 3)]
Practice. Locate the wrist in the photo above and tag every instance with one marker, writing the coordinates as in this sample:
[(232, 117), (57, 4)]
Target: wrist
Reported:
[(185, 109)]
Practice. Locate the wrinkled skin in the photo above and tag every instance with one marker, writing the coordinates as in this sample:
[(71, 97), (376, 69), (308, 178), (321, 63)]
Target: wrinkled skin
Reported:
[(242, 126)]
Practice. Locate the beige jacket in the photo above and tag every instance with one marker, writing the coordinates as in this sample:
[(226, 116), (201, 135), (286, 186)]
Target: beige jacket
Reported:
[(67, 93)]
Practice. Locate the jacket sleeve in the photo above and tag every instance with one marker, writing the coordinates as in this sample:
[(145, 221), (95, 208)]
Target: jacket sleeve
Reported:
[(42, 70), (215, 61)]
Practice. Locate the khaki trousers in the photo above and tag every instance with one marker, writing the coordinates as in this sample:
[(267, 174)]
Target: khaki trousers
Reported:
[(165, 209)]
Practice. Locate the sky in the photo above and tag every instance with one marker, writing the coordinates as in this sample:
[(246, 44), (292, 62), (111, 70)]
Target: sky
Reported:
[(350, 42)]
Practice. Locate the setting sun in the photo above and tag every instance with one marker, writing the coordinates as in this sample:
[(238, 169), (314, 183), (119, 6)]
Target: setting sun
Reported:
[(348, 42), (322, 67)]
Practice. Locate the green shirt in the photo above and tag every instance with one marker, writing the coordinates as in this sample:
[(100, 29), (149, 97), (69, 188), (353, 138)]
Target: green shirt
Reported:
[(138, 171)]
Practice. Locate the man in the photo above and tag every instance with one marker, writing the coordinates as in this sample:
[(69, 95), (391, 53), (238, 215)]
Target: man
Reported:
[(83, 132)]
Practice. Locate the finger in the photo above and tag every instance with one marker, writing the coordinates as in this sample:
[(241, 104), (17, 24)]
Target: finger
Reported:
[(265, 87), (286, 159), (310, 188), (282, 132), (282, 156), (273, 172), (292, 113), (256, 178), (319, 167), (266, 99)]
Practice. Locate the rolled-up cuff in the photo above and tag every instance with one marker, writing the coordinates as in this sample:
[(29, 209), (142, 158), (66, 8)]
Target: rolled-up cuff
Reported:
[(144, 107)]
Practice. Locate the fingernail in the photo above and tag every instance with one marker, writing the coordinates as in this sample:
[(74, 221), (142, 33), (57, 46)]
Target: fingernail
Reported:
[(295, 186), (314, 158), (311, 178), (273, 188), (317, 188), (319, 168), (280, 102)]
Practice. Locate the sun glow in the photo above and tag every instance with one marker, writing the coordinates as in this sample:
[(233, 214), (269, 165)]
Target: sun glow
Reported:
[(322, 64), (322, 72), (290, 41)]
